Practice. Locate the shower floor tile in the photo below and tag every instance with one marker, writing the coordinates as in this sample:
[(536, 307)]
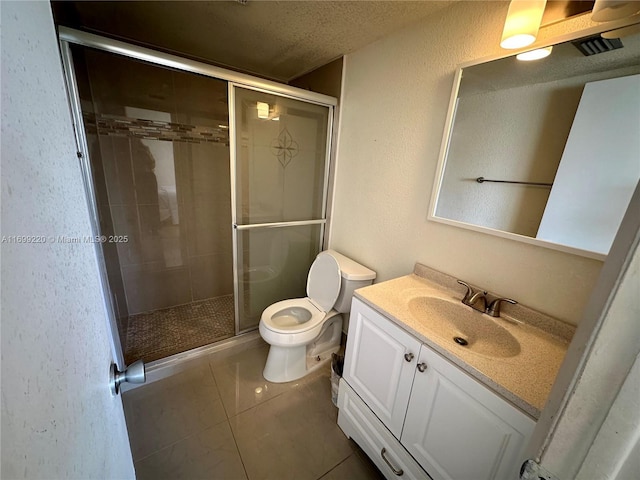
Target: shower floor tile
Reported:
[(159, 334)]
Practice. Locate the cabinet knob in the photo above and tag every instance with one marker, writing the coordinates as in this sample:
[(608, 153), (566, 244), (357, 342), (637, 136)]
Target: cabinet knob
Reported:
[(396, 471), (422, 366), (408, 356)]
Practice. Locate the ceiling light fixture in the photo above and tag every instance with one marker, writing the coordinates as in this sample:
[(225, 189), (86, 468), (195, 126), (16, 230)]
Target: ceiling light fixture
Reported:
[(610, 10), (534, 54), (522, 23), (263, 110)]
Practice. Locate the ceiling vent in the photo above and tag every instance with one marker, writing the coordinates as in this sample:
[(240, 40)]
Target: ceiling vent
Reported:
[(596, 44)]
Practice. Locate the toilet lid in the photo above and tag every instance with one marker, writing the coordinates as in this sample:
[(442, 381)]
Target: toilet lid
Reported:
[(323, 282)]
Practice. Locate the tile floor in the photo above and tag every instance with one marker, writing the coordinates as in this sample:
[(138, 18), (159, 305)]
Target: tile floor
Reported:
[(219, 419)]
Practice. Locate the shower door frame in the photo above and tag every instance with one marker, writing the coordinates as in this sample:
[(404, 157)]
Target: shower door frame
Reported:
[(68, 36)]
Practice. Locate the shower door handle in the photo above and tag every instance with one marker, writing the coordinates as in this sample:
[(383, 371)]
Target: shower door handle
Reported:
[(297, 223)]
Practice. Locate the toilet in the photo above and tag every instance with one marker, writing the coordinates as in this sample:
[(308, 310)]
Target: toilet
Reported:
[(304, 332)]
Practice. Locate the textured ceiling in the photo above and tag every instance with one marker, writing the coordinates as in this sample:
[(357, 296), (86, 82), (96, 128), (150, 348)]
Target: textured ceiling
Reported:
[(280, 40), (565, 61)]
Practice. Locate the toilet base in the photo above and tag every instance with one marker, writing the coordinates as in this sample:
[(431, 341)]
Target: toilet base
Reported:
[(286, 364), (314, 361)]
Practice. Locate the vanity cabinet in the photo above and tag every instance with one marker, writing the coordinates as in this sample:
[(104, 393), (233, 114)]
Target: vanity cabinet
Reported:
[(415, 412), (380, 363)]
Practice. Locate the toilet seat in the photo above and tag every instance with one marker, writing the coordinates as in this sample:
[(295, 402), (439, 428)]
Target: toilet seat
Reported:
[(299, 315), (324, 281), (295, 315)]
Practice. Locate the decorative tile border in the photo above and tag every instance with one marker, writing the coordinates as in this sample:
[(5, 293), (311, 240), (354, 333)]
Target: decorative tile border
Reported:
[(121, 126)]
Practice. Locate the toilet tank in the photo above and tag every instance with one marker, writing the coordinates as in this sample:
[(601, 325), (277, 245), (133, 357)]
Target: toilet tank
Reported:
[(354, 276)]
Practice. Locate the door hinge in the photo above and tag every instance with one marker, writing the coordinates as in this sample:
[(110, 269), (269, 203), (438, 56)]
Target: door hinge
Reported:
[(532, 470)]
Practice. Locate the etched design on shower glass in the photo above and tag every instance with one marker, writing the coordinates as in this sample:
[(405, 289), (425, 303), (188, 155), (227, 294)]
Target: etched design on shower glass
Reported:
[(159, 152), (266, 192), (284, 147), (273, 263)]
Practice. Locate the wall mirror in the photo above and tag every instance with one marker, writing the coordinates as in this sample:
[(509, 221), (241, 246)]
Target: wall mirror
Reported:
[(547, 151)]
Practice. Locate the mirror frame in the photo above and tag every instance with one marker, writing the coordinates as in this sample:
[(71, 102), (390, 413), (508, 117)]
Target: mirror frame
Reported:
[(448, 129)]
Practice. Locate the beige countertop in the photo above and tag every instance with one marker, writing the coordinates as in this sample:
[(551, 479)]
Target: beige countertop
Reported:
[(524, 378)]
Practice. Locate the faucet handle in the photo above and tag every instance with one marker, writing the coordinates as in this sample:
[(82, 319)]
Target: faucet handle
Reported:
[(469, 293), (494, 307)]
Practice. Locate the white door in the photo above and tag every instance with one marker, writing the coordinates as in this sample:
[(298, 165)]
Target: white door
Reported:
[(599, 169), (379, 364), (59, 419), (587, 395), (457, 429)]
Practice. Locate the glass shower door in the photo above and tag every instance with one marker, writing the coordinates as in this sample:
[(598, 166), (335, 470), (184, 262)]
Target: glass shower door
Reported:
[(280, 146), (158, 147)]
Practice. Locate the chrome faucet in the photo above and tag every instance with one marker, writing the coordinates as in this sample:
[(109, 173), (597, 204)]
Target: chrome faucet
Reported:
[(472, 298)]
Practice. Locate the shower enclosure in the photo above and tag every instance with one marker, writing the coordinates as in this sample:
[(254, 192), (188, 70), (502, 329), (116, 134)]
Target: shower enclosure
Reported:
[(207, 189)]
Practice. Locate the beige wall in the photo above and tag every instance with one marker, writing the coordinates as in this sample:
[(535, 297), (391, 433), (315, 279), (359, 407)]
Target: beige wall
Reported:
[(326, 79), (394, 103)]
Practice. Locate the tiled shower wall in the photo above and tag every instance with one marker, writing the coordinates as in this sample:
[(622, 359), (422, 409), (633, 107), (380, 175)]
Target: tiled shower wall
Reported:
[(183, 262), (160, 157)]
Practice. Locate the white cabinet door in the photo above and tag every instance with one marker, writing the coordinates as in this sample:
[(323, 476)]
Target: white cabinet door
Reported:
[(380, 363), (457, 429)]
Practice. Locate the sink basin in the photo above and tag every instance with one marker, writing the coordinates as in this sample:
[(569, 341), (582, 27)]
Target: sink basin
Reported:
[(452, 320)]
